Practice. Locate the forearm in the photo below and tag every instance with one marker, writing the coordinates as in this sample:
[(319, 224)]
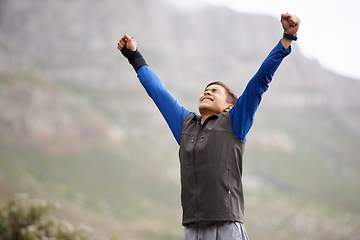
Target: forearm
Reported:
[(134, 57), (268, 68), (172, 111), (286, 42)]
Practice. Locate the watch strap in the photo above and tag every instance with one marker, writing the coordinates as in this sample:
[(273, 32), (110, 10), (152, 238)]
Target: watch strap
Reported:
[(290, 37)]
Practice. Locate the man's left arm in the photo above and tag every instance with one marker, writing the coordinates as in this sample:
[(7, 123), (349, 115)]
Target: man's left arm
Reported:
[(242, 114)]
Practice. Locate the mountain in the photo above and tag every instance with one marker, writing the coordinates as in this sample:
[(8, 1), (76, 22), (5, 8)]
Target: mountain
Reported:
[(77, 127)]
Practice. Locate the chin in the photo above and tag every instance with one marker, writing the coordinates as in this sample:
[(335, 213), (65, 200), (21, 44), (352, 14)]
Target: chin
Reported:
[(203, 106), (207, 109)]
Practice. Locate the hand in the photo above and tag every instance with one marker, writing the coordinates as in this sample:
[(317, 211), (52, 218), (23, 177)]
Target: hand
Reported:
[(128, 42), (290, 23)]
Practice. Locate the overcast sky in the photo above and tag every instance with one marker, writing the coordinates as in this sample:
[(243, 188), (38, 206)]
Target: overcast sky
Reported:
[(329, 29)]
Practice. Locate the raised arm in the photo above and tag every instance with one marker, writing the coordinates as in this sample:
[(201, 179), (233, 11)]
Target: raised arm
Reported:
[(242, 114), (173, 112)]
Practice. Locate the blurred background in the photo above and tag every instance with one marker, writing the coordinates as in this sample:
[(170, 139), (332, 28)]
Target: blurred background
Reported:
[(78, 129)]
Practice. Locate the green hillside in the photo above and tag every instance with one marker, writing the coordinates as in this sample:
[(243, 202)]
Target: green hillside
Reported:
[(77, 128)]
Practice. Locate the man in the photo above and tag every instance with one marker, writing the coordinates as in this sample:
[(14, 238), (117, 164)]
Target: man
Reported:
[(212, 143)]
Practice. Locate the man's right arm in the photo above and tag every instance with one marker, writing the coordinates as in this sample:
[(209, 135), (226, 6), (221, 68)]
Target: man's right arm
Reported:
[(173, 112)]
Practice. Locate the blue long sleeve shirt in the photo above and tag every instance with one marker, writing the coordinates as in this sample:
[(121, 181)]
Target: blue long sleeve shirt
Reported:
[(242, 114)]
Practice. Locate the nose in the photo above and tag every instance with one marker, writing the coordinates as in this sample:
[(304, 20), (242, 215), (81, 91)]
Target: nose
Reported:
[(207, 92)]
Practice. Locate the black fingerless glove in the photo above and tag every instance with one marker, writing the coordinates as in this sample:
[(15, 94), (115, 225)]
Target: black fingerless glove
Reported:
[(135, 58)]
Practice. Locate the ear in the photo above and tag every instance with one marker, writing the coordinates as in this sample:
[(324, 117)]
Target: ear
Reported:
[(229, 106)]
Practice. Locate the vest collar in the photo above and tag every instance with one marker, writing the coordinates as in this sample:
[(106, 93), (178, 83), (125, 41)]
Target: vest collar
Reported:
[(215, 116)]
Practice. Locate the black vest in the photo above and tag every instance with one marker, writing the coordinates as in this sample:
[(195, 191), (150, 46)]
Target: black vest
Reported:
[(211, 170)]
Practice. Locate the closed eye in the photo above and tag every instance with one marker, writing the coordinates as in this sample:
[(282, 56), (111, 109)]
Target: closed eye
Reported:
[(211, 90)]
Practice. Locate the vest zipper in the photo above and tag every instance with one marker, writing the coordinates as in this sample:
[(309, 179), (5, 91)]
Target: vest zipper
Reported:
[(195, 175)]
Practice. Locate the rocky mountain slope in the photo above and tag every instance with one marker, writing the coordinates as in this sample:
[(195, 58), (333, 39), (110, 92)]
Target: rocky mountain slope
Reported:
[(77, 127)]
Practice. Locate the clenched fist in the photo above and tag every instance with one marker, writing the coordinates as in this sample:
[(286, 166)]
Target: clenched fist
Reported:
[(128, 42), (290, 23)]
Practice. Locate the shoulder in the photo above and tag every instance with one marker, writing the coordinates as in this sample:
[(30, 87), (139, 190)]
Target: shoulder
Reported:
[(192, 117)]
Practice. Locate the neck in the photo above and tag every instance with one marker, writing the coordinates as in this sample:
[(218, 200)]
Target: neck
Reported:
[(203, 118), (206, 114)]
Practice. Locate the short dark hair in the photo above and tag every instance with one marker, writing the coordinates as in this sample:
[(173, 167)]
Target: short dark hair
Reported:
[(231, 96)]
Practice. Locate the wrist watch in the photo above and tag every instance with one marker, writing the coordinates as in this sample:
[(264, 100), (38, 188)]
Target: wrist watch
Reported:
[(290, 37)]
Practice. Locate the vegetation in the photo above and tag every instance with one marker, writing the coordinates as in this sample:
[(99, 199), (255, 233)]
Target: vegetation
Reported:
[(27, 219)]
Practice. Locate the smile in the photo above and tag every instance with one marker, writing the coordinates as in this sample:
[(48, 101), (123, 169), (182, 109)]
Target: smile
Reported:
[(206, 99)]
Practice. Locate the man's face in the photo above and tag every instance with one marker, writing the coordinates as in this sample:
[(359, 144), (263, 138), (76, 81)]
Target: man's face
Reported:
[(213, 100)]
